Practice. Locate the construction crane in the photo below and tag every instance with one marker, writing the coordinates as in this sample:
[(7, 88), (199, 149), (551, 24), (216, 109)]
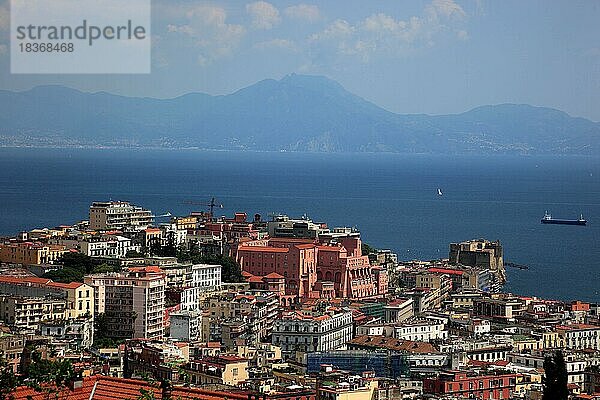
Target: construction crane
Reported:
[(211, 205)]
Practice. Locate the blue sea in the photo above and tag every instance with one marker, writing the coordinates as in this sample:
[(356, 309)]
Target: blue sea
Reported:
[(391, 198)]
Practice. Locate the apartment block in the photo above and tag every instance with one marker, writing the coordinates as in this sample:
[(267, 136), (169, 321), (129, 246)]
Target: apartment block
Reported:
[(29, 253), (119, 215), (312, 330), (133, 302)]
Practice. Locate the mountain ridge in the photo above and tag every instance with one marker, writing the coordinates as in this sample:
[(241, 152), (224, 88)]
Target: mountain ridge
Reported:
[(295, 113)]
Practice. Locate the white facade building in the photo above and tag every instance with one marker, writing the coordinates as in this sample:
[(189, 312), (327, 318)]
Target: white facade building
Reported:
[(575, 367), (297, 331), (199, 279), (133, 302), (580, 336), (119, 215), (108, 246), (421, 331)]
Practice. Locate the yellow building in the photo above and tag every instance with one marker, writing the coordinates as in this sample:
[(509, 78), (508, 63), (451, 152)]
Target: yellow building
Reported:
[(552, 340), (342, 385), (521, 343), (79, 297), (224, 370), (29, 253)]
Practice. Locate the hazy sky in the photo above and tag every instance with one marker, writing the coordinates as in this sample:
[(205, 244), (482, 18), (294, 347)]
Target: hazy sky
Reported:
[(437, 56)]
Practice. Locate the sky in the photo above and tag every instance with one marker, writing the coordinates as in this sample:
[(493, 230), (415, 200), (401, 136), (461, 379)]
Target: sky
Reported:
[(432, 57)]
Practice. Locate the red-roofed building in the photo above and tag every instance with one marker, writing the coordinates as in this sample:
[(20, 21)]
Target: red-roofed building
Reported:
[(100, 387), (79, 296), (314, 270), (460, 385), (30, 253)]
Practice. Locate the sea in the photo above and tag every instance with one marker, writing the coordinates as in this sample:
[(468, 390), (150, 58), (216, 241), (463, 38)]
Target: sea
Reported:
[(391, 198)]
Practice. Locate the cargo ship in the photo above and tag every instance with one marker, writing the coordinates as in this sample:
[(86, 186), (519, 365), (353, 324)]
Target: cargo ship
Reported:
[(549, 220)]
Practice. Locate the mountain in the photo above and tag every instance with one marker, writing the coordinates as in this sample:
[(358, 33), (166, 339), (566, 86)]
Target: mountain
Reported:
[(296, 113)]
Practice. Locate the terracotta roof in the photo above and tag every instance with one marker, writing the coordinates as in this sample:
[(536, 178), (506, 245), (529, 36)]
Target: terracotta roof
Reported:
[(445, 271), (72, 285), (329, 248), (32, 279), (273, 275), (254, 279), (382, 342), (291, 240), (305, 246), (150, 268), (264, 249), (109, 388)]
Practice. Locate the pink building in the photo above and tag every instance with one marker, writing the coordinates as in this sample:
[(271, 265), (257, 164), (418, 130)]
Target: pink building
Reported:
[(314, 270)]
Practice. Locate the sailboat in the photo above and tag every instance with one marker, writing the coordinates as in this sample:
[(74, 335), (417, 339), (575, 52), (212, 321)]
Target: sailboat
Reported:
[(439, 191)]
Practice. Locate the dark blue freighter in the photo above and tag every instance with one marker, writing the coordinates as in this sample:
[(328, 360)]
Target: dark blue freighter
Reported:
[(549, 220)]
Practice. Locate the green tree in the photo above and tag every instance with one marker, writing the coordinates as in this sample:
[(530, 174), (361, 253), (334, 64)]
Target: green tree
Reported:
[(8, 381), (47, 375), (102, 268), (77, 261), (231, 272), (366, 249), (134, 254), (75, 267), (555, 377)]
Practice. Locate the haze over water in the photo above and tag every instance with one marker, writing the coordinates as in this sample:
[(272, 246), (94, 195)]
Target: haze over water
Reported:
[(391, 198)]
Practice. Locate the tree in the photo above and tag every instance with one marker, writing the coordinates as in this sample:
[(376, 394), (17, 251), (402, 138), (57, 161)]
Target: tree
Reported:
[(103, 268), (65, 275), (555, 377), (48, 376), (8, 381), (133, 254), (366, 249), (231, 272), (75, 267)]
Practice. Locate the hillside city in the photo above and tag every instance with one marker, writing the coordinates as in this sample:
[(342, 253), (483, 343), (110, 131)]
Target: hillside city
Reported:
[(127, 304)]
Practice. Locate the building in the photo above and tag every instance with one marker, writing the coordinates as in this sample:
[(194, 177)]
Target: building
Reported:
[(132, 302), (580, 336), (119, 215), (245, 315), (223, 370), (461, 385), (384, 363), (575, 365), (185, 325), (284, 226), (479, 253), (75, 333), (28, 313), (311, 269), (309, 331), (498, 308), (30, 253), (158, 360), (421, 356), (199, 279), (11, 348), (342, 385), (421, 330), (110, 246), (398, 310), (79, 297)]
